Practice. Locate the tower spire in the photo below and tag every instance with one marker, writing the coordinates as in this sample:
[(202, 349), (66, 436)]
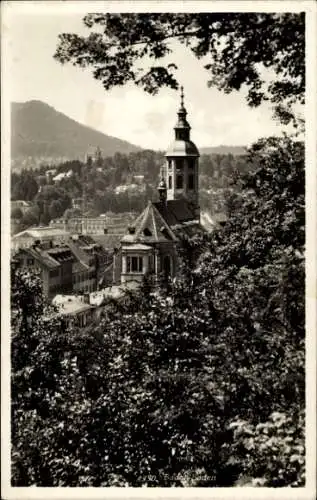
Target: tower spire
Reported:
[(182, 96), (182, 128)]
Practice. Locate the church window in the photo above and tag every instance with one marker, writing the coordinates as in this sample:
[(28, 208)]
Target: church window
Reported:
[(191, 163), (170, 182), (191, 181), (179, 182), (179, 164), (170, 164), (134, 264)]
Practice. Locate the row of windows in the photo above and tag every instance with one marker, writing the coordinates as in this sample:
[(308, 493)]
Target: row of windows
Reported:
[(80, 277), (180, 182), (134, 264)]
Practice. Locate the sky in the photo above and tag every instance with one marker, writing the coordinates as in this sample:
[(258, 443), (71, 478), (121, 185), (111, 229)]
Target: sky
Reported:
[(125, 112)]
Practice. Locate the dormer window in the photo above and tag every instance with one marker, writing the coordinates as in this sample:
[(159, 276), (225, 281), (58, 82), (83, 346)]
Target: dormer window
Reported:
[(147, 232), (131, 230)]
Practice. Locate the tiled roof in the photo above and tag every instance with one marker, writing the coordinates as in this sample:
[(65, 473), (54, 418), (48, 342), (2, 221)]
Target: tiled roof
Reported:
[(176, 211), (77, 251), (108, 241), (61, 254), (189, 230), (79, 267), (150, 227), (42, 257), (40, 232), (136, 246)]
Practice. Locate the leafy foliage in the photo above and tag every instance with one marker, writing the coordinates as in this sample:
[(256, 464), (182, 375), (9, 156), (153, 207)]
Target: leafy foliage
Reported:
[(119, 44), (197, 384)]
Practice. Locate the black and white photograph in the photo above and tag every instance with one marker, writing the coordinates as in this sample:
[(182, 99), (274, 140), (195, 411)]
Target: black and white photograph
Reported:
[(158, 194)]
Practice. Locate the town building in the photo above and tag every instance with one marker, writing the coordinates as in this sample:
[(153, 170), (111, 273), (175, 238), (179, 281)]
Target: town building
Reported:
[(54, 265), (150, 244), (68, 263), (82, 225), (63, 175), (75, 310), (28, 237)]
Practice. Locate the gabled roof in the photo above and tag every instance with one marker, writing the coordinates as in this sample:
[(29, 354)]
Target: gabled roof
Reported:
[(136, 246), (42, 257), (41, 232), (79, 267), (61, 254), (150, 227)]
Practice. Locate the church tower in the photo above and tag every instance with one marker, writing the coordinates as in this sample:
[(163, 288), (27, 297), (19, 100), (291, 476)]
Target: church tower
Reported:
[(182, 158)]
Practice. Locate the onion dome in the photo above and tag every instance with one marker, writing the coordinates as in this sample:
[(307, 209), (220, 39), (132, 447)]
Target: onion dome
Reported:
[(182, 145)]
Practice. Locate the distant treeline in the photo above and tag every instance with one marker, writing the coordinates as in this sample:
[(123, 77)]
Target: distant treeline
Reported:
[(97, 178)]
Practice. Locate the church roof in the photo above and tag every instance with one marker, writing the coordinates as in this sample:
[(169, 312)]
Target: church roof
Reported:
[(182, 148), (150, 227), (176, 211), (161, 222)]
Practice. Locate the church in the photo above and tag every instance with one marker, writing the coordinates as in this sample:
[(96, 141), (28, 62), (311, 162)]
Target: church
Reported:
[(150, 244)]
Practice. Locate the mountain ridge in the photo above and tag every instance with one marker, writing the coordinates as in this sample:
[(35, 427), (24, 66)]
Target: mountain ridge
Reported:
[(41, 134), (39, 130)]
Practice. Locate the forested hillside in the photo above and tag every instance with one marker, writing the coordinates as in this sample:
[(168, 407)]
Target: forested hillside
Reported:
[(219, 179)]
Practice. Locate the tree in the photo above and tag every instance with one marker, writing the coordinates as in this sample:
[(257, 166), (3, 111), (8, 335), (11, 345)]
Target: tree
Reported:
[(30, 218), (55, 209), (24, 186), (16, 213), (118, 43)]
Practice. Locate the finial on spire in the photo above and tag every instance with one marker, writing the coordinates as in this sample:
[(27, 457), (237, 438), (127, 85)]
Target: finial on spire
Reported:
[(182, 96)]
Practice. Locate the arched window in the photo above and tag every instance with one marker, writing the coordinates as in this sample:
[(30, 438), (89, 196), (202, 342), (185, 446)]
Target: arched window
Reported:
[(179, 164), (191, 181), (167, 266), (191, 163), (179, 182)]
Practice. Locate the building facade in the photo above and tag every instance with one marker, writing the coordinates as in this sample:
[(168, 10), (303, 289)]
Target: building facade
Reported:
[(27, 238), (76, 265)]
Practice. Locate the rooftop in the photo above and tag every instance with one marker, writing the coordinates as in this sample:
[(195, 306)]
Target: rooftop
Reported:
[(41, 232), (150, 227), (182, 148), (70, 304)]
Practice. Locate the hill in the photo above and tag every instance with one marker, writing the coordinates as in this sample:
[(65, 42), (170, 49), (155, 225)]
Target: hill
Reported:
[(40, 132), (223, 150)]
